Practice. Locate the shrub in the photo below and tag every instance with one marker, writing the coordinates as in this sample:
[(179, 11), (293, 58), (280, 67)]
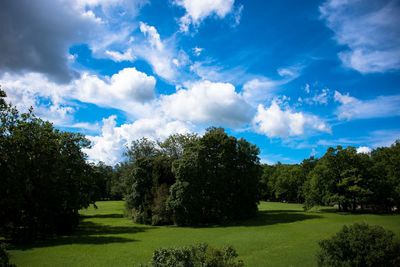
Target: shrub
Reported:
[(4, 257), (360, 245), (193, 256)]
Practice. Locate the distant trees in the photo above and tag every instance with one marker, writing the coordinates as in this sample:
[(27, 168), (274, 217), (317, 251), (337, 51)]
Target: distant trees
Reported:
[(360, 245), (341, 177), (44, 178), (192, 180)]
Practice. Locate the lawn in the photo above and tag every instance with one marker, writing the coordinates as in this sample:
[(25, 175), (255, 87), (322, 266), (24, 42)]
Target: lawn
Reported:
[(282, 235)]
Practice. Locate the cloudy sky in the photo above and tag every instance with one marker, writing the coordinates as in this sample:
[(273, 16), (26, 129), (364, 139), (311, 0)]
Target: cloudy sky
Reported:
[(293, 78)]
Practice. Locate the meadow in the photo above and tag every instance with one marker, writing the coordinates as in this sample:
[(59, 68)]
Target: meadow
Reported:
[(281, 235)]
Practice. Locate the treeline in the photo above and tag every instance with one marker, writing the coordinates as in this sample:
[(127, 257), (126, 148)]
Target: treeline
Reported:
[(341, 177)]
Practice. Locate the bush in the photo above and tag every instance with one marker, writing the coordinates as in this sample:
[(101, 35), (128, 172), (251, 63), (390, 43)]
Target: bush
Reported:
[(193, 256), (4, 257), (360, 245)]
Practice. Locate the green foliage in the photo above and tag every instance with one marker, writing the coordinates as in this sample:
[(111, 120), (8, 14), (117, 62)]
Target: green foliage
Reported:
[(4, 257), (44, 179), (386, 172), (190, 180), (285, 182), (201, 255), (360, 245), (148, 177), (340, 177), (216, 180)]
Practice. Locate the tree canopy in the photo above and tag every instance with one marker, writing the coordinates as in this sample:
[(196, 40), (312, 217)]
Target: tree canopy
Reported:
[(45, 178), (193, 180)]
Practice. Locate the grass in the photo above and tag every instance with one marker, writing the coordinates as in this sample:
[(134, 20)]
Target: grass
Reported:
[(282, 235)]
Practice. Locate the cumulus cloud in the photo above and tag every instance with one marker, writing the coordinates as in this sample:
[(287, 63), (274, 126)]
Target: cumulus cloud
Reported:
[(353, 108), (110, 145), (128, 90), (364, 149), (276, 122), (29, 43), (198, 10), (208, 102), (370, 31), (36, 37)]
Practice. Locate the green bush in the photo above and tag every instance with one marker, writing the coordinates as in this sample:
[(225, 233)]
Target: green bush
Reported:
[(360, 245), (196, 256), (4, 257)]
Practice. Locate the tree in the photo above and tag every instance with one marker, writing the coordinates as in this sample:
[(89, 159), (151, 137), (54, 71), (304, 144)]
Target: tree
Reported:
[(216, 180), (360, 245), (385, 170), (44, 179), (340, 177)]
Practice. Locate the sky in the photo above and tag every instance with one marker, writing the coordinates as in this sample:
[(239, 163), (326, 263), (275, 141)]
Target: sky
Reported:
[(292, 77)]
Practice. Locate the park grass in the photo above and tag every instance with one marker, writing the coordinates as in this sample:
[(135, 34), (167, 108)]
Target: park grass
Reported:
[(281, 235)]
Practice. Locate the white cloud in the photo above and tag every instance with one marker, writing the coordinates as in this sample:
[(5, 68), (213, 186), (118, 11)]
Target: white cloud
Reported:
[(152, 36), (369, 29), (198, 10), (320, 97), (353, 108), (197, 51), (110, 145), (259, 90), (209, 103), (129, 90), (118, 56), (276, 122), (160, 54), (364, 149)]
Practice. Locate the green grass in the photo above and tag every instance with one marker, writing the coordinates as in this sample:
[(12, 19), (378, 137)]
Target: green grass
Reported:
[(282, 235)]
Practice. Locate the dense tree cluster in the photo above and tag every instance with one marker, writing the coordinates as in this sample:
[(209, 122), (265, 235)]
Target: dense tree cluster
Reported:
[(360, 245), (45, 178), (341, 177), (192, 180)]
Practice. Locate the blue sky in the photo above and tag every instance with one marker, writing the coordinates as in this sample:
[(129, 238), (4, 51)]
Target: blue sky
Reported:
[(293, 78)]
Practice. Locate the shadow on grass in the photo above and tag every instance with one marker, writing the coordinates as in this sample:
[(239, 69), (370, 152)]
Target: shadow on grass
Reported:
[(89, 233), (277, 217), (268, 217), (103, 216)]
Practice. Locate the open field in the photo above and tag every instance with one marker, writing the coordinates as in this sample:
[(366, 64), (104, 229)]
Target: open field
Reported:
[(282, 235)]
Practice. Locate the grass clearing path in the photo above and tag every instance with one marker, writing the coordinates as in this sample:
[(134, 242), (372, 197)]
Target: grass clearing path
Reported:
[(282, 235)]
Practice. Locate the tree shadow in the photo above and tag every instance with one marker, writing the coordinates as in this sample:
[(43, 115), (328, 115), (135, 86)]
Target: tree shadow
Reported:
[(267, 217), (103, 216), (89, 233), (264, 218)]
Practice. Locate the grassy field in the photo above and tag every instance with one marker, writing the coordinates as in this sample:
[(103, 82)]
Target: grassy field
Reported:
[(282, 235)]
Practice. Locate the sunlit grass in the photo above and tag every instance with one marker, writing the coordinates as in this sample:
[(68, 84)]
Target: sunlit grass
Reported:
[(282, 235)]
